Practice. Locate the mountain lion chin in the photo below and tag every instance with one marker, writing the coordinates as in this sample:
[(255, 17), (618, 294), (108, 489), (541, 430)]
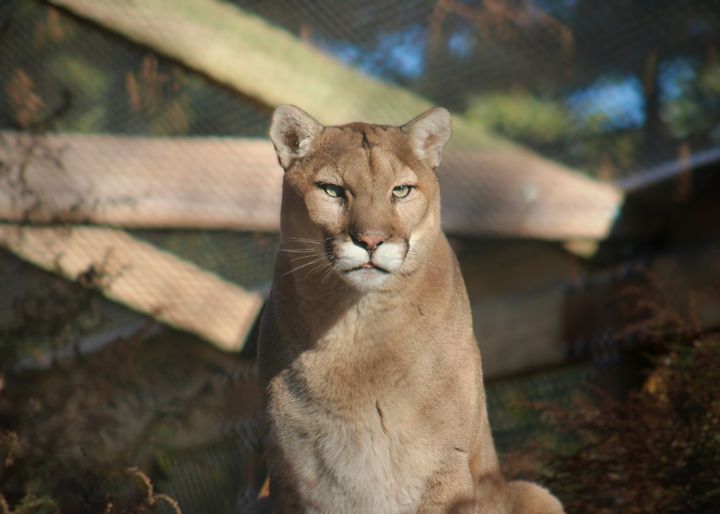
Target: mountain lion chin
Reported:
[(366, 279)]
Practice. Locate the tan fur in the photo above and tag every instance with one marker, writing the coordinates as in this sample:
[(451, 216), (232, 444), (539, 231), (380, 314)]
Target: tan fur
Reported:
[(374, 395)]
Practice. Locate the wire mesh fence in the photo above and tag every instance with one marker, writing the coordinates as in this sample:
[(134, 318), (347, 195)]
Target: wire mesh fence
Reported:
[(119, 152)]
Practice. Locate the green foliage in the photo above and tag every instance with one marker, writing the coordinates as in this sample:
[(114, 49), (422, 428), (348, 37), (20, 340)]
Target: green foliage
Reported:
[(693, 113), (522, 116), (549, 127)]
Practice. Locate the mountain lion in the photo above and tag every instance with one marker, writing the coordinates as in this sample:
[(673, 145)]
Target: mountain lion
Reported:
[(374, 396)]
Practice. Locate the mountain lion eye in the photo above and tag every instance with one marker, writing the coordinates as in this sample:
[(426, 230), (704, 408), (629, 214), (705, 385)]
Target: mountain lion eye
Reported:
[(332, 190), (401, 191)]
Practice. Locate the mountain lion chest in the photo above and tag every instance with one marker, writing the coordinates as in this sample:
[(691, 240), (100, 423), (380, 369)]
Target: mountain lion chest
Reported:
[(356, 454)]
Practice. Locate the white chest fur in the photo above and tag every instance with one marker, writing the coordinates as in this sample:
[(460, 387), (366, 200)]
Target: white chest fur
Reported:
[(360, 464)]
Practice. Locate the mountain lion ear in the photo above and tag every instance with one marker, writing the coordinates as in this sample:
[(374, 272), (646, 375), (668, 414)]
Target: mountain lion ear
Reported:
[(428, 134), (292, 132)]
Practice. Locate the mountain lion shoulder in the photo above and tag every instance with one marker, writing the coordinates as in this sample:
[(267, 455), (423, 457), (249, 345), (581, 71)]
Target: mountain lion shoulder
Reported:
[(374, 396)]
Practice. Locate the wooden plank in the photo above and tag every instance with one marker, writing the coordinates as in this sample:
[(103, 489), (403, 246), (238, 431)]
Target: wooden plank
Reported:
[(140, 182), (506, 193), (511, 280), (143, 278), (216, 183)]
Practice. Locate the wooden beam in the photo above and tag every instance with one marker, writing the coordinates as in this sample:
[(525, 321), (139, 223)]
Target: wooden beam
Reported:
[(142, 277), (216, 183), (511, 194), (140, 182)]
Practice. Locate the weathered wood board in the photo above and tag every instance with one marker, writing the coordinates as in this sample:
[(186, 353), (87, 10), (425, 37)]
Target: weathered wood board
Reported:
[(142, 277), (223, 183)]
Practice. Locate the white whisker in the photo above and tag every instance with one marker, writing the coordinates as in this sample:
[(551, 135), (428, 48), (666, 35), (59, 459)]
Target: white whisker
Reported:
[(316, 268), (328, 273), (314, 261), (299, 250), (305, 257), (305, 240)]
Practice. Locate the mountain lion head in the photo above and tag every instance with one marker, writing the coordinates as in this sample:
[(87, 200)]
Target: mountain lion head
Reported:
[(360, 201)]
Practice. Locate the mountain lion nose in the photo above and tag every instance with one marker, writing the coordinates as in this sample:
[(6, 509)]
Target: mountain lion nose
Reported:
[(368, 241)]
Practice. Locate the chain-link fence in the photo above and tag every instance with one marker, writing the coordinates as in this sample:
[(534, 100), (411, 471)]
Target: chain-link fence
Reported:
[(139, 209)]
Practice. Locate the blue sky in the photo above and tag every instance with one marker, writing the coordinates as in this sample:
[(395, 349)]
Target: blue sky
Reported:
[(617, 100), (401, 52)]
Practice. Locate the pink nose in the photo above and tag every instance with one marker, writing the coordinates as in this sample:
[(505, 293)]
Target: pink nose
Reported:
[(369, 242)]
